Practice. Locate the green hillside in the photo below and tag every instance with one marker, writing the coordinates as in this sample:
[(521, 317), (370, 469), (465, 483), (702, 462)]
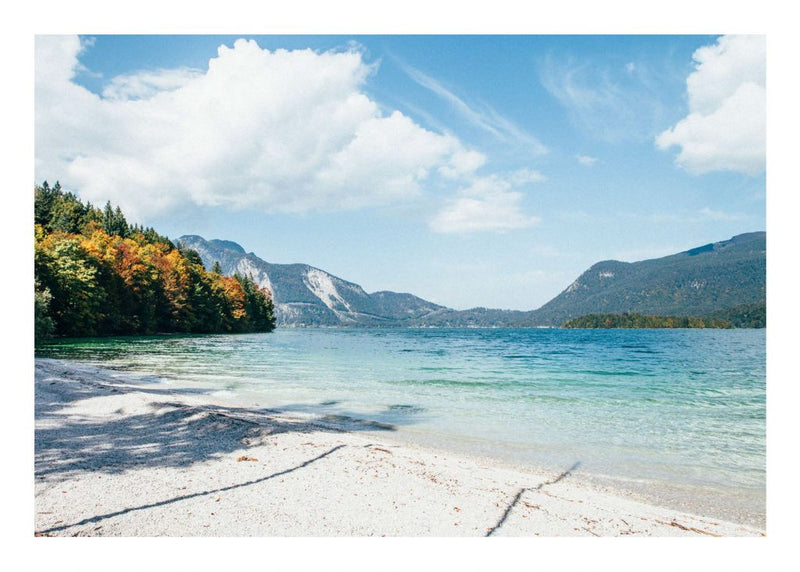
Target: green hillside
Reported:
[(699, 282)]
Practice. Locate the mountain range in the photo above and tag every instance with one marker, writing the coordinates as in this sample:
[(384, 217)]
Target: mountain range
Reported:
[(708, 279), (307, 296)]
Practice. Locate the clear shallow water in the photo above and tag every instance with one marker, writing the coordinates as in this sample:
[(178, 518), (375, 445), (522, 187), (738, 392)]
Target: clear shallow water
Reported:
[(674, 414)]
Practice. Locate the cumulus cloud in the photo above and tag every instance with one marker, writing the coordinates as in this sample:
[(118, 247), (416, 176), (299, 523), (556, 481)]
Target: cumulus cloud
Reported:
[(147, 84), (463, 164), (279, 131), (586, 160), (726, 125), (488, 204), (57, 58)]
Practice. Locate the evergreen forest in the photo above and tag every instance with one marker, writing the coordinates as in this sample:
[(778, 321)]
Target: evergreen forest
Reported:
[(639, 321), (96, 275)]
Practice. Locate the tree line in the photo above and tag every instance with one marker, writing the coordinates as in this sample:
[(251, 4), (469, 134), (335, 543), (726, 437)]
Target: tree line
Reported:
[(753, 315), (96, 274), (640, 321)]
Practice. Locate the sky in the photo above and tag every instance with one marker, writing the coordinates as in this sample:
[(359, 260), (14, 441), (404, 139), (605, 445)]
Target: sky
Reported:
[(482, 170)]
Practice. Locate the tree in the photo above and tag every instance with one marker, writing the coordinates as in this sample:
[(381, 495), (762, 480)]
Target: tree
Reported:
[(114, 221), (193, 257), (68, 214), (65, 269), (96, 275), (258, 303), (44, 326), (44, 197)]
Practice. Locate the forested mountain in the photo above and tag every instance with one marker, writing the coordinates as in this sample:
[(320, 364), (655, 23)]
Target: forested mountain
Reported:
[(698, 282), (307, 296), (95, 274)]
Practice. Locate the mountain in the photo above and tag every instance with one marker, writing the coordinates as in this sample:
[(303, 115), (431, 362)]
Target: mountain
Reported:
[(697, 282), (720, 279), (307, 296), (725, 280)]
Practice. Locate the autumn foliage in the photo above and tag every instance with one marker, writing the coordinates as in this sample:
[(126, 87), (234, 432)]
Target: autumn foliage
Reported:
[(97, 275)]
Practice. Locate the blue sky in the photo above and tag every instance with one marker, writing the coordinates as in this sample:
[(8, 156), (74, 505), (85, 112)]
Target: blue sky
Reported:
[(469, 170)]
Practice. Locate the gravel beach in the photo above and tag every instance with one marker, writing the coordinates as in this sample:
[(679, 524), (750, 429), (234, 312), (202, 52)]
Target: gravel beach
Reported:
[(119, 459)]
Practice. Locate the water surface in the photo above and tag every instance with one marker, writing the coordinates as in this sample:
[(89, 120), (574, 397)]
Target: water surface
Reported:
[(676, 415)]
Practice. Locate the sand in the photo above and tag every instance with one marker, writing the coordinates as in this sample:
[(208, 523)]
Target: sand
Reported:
[(114, 458)]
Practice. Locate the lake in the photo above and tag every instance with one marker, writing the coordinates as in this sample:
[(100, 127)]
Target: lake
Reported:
[(677, 416)]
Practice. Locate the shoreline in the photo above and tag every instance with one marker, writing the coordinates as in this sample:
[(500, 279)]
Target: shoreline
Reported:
[(120, 459)]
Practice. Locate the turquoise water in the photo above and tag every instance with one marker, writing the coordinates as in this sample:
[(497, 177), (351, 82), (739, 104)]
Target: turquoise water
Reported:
[(674, 414)]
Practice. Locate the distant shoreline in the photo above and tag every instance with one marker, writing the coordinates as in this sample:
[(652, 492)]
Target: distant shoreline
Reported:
[(115, 458)]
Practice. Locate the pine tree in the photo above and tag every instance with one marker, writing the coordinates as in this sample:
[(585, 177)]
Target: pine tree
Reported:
[(114, 222)]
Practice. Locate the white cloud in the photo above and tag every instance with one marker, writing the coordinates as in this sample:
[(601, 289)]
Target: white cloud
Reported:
[(270, 130), (463, 163), (586, 160), (726, 126), (57, 58), (605, 102), (487, 119), (147, 84), (488, 204)]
